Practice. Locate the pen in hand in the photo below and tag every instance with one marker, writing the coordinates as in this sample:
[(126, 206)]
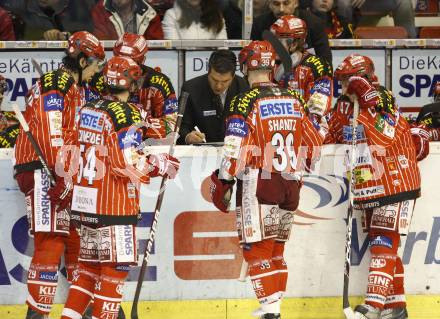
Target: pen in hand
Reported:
[(197, 130)]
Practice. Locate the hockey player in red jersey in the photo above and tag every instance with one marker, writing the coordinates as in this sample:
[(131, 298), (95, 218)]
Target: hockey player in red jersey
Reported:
[(267, 128), (106, 192), (386, 180), (51, 106), (311, 75)]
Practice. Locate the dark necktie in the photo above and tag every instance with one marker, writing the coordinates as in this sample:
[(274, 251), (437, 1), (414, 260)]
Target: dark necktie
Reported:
[(218, 106)]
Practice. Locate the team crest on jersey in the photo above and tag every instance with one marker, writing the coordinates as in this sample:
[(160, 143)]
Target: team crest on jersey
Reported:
[(91, 120), (130, 138), (53, 102), (278, 108), (170, 106), (322, 86), (237, 127)]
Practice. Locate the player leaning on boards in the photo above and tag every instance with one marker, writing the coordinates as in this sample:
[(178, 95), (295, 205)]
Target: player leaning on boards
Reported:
[(106, 196), (51, 105), (310, 75), (265, 130), (386, 180)]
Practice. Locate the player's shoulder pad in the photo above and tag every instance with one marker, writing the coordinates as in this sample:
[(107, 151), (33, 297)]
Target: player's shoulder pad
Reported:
[(158, 80), (58, 80), (295, 94), (319, 66), (242, 103), (97, 82), (122, 114), (387, 101)]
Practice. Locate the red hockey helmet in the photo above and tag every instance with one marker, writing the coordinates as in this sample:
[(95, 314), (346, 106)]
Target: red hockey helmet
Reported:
[(120, 72), (133, 46), (86, 43), (356, 65), (290, 27), (257, 55)]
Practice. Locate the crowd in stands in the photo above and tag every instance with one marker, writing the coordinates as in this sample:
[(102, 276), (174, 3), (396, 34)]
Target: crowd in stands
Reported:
[(198, 19)]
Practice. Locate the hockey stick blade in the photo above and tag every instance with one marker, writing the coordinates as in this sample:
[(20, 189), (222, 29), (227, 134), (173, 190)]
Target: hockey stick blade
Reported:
[(33, 142), (349, 313), (283, 54), (37, 67), (153, 229), (243, 271)]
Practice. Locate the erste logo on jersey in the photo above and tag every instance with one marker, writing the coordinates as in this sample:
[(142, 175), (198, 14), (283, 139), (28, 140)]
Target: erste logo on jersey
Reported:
[(278, 108), (237, 127), (92, 120), (53, 102)]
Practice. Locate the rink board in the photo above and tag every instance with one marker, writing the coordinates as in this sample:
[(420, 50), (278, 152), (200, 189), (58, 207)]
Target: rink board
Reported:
[(196, 254)]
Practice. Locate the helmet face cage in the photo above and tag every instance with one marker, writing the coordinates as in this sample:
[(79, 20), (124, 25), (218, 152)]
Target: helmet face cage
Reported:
[(121, 73), (257, 55), (133, 46), (355, 65), (86, 43), (290, 27)]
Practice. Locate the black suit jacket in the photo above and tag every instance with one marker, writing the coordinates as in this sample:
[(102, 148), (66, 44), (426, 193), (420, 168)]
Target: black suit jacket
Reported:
[(202, 111), (316, 36)]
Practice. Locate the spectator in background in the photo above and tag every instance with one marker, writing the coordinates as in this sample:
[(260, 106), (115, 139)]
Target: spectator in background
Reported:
[(233, 14), (316, 38), (209, 94), (112, 18), (194, 19), (402, 11), (336, 27), (7, 32), (51, 20)]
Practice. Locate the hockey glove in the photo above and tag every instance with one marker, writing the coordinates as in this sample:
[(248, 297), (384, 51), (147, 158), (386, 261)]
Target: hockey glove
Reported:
[(221, 191), (318, 104), (163, 165), (61, 193), (365, 92), (420, 138)]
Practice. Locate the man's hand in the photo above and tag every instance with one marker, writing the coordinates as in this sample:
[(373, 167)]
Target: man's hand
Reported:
[(221, 191), (61, 193), (163, 165), (55, 35), (195, 137), (364, 91)]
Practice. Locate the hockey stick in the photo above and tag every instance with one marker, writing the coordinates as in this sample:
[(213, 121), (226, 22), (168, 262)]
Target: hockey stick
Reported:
[(151, 238), (283, 54), (37, 67), (348, 311), (34, 143), (243, 271)]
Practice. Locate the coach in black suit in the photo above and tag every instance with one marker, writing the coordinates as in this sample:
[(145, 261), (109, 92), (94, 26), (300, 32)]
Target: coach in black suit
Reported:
[(209, 94)]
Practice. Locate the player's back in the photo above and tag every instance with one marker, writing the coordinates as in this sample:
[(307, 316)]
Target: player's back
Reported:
[(274, 128), (107, 137), (50, 112)]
